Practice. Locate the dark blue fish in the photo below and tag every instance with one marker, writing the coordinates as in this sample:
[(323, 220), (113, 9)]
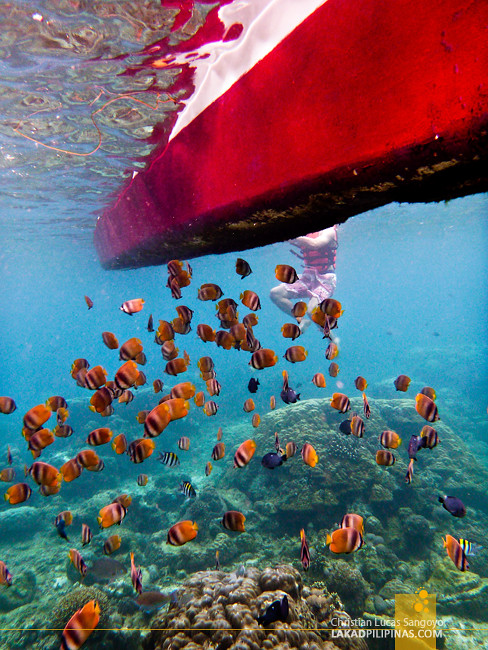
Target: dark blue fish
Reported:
[(289, 396), (416, 443), (277, 611), (253, 385), (453, 505), (272, 460), (61, 528), (345, 427)]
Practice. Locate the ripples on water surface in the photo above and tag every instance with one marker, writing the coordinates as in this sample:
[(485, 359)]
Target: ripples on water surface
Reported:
[(89, 78)]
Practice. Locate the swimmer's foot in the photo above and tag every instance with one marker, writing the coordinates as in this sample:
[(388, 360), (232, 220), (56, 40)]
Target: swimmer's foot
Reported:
[(305, 324)]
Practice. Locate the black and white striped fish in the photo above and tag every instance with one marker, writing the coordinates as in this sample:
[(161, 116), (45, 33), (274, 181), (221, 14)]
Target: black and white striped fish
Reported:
[(169, 458), (187, 489)]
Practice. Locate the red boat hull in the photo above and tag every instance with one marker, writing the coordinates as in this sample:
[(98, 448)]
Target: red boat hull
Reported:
[(362, 104)]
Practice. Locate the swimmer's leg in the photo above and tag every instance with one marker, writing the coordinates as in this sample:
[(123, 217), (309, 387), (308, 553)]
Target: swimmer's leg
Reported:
[(305, 324), (282, 298)]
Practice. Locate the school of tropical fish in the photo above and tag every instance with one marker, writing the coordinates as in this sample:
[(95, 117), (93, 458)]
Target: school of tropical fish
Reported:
[(47, 423)]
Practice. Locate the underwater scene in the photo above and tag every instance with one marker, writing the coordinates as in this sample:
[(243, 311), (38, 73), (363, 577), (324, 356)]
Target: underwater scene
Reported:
[(267, 448)]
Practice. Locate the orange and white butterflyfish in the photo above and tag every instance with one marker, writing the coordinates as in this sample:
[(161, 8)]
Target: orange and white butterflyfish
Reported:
[(77, 561), (112, 514), (87, 458), (126, 375), (132, 306), (43, 473), (429, 436), (86, 535), (332, 351), (291, 331), (430, 392), (99, 436), (250, 299), (39, 441), (176, 366), (36, 416), (184, 443), (244, 453), (390, 439), (199, 398), (234, 520), (70, 470), (242, 268), (130, 349), (124, 500), (119, 444), (344, 540), (7, 475), (250, 320), (95, 377), (112, 544), (299, 310), (456, 552), (7, 405), (340, 402), (17, 493), (309, 455), (426, 407), (318, 380), (184, 390), (295, 354), (210, 408), (357, 426), (286, 273), (218, 451), (140, 449), (366, 407), (384, 457), (157, 420), (331, 307), (181, 533), (249, 405), (333, 369), (110, 340), (353, 521), (402, 383), (80, 626), (205, 333), (360, 383), (213, 387)]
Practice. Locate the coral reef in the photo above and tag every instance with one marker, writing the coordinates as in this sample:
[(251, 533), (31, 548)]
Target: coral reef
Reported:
[(403, 551), (221, 610), (20, 593), (74, 600)]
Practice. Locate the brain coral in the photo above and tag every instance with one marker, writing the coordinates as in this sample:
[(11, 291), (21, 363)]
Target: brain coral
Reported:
[(220, 610), (74, 600)]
